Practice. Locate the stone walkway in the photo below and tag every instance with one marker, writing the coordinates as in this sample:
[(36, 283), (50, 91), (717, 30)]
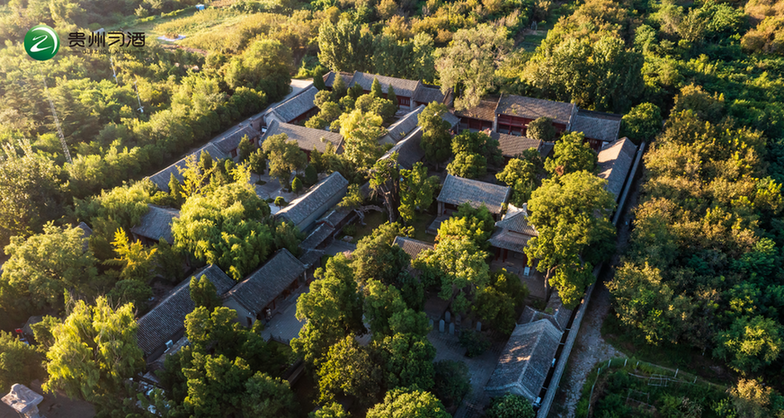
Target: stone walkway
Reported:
[(284, 325)]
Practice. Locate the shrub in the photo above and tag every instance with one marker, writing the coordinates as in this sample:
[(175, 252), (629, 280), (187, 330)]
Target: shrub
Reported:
[(452, 381), (474, 342)]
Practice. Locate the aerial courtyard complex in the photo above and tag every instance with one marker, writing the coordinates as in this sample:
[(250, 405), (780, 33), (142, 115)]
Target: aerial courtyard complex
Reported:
[(391, 209)]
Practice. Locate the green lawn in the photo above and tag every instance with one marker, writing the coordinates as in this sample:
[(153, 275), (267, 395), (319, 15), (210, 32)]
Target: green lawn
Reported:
[(372, 221)]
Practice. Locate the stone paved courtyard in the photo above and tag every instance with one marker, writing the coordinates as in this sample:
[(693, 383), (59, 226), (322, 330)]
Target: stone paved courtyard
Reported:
[(479, 368)]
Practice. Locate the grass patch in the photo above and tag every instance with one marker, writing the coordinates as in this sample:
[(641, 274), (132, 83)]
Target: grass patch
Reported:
[(665, 354), (420, 224), (372, 221)]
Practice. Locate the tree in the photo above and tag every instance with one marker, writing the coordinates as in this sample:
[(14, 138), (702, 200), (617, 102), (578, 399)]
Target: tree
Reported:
[(227, 226), (203, 293), (510, 406), (263, 66), (258, 161), (470, 62), (385, 181), (332, 308), (280, 202), (750, 343), (245, 148), (377, 258), (436, 139), (453, 382), (642, 123), (19, 362), (457, 265), (416, 190), (476, 224), (170, 261), (333, 410), (468, 165), (602, 74), (375, 89), (570, 213), (339, 88), (392, 97), (311, 175), (296, 185), (407, 360), (381, 302), (521, 174), (571, 154), (266, 396), (43, 266), (473, 151), (135, 261), (408, 403), (360, 133), (32, 192), (497, 303), (288, 236), (343, 46), (176, 191), (349, 369), (284, 157), (542, 129), (93, 354)]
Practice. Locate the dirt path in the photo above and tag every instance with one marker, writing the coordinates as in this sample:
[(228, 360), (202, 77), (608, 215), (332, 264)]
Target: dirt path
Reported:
[(590, 348)]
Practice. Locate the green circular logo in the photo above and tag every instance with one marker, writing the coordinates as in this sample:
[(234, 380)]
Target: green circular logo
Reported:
[(41, 42)]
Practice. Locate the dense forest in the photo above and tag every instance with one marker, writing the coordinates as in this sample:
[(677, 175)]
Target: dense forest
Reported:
[(701, 82)]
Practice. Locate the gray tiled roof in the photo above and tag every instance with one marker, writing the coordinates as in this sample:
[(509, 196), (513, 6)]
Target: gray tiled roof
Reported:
[(427, 94), (301, 208), (409, 149), (512, 145), (597, 125), (458, 190), (87, 230), (510, 240), (317, 236), (311, 257), (157, 224), (451, 118), (615, 161), (161, 178), (166, 319), (531, 108), (265, 284), (398, 130), (403, 87), (307, 138), (329, 78), (335, 216), (297, 105), (546, 149), (516, 220), (411, 246), (485, 110), (231, 141), (526, 360)]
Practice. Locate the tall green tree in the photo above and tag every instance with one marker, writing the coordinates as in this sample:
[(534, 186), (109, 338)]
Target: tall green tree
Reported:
[(542, 129), (135, 261), (344, 47), (263, 66), (470, 61), (571, 214), (93, 354), (332, 309), (642, 123), (245, 148), (228, 227), (19, 362), (377, 258), (203, 293), (333, 410), (408, 403), (416, 191), (43, 266), (750, 343), (360, 133), (385, 182), (436, 139), (32, 193), (521, 174), (349, 369), (284, 157), (381, 302), (571, 154), (510, 406)]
